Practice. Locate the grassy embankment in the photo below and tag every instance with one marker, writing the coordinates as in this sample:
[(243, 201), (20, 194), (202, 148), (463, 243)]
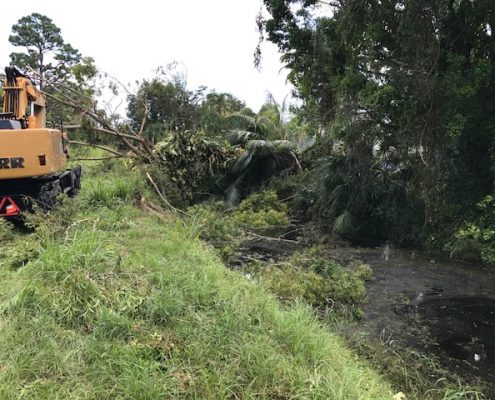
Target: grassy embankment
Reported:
[(103, 300)]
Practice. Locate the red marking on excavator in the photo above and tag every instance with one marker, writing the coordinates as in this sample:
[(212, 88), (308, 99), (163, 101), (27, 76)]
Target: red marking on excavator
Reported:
[(8, 207)]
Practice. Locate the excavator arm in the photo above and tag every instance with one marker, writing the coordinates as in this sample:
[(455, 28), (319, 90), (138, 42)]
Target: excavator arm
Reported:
[(23, 102)]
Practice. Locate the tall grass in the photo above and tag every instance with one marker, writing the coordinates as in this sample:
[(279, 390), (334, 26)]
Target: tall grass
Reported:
[(115, 304)]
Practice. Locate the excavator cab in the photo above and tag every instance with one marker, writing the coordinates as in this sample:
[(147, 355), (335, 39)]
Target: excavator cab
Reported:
[(33, 158)]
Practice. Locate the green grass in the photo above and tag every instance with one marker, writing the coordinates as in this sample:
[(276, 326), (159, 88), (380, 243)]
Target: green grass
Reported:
[(112, 303)]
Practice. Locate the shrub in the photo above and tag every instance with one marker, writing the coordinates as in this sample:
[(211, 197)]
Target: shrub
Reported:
[(292, 188), (310, 276), (189, 163), (225, 231), (290, 283), (476, 238), (344, 285), (261, 210)]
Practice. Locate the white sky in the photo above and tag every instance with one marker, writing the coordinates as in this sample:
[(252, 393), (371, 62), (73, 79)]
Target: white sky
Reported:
[(214, 39)]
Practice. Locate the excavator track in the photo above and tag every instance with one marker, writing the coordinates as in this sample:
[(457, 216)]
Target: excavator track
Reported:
[(19, 195)]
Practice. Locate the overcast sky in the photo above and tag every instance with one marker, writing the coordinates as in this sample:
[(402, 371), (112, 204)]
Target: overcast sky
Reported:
[(214, 39)]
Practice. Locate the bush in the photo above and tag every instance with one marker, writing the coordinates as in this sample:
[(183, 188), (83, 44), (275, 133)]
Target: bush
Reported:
[(476, 238), (310, 276), (344, 285), (189, 164), (225, 231), (261, 210), (297, 192), (289, 283)]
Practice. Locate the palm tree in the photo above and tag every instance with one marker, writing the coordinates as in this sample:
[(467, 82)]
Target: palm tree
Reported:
[(246, 125), (260, 160), (267, 124), (265, 151)]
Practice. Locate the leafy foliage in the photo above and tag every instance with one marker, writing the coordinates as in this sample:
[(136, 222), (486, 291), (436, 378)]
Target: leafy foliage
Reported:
[(399, 90), (256, 164), (189, 164), (225, 228), (250, 125), (364, 196), (476, 238), (214, 225), (261, 210), (268, 124), (165, 104), (47, 53), (60, 69), (311, 276), (214, 109), (308, 275)]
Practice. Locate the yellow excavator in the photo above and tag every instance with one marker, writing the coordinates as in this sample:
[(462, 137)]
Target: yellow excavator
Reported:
[(33, 158)]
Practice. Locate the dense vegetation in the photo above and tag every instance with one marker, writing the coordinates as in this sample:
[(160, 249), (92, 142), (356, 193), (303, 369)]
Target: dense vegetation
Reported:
[(393, 139), (406, 89), (400, 103), (104, 300)]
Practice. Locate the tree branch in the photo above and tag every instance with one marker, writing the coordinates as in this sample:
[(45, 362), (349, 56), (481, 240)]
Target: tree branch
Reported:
[(96, 158), (145, 105), (167, 203), (107, 131), (142, 150), (115, 152)]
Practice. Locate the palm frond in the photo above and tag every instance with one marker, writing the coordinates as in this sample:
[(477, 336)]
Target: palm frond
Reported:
[(233, 194), (242, 163), (343, 224), (239, 136), (240, 120), (261, 148), (337, 198), (284, 145)]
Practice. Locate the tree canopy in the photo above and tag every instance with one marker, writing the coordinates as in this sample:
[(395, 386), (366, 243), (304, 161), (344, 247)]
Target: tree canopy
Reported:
[(404, 86), (165, 106), (46, 52), (59, 68)]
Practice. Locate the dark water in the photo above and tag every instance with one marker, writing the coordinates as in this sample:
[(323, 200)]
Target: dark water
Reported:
[(437, 307), (463, 328)]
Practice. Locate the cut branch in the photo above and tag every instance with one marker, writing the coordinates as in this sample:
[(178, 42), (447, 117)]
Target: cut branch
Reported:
[(107, 131), (164, 199), (134, 142), (115, 152), (96, 158), (279, 239)]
